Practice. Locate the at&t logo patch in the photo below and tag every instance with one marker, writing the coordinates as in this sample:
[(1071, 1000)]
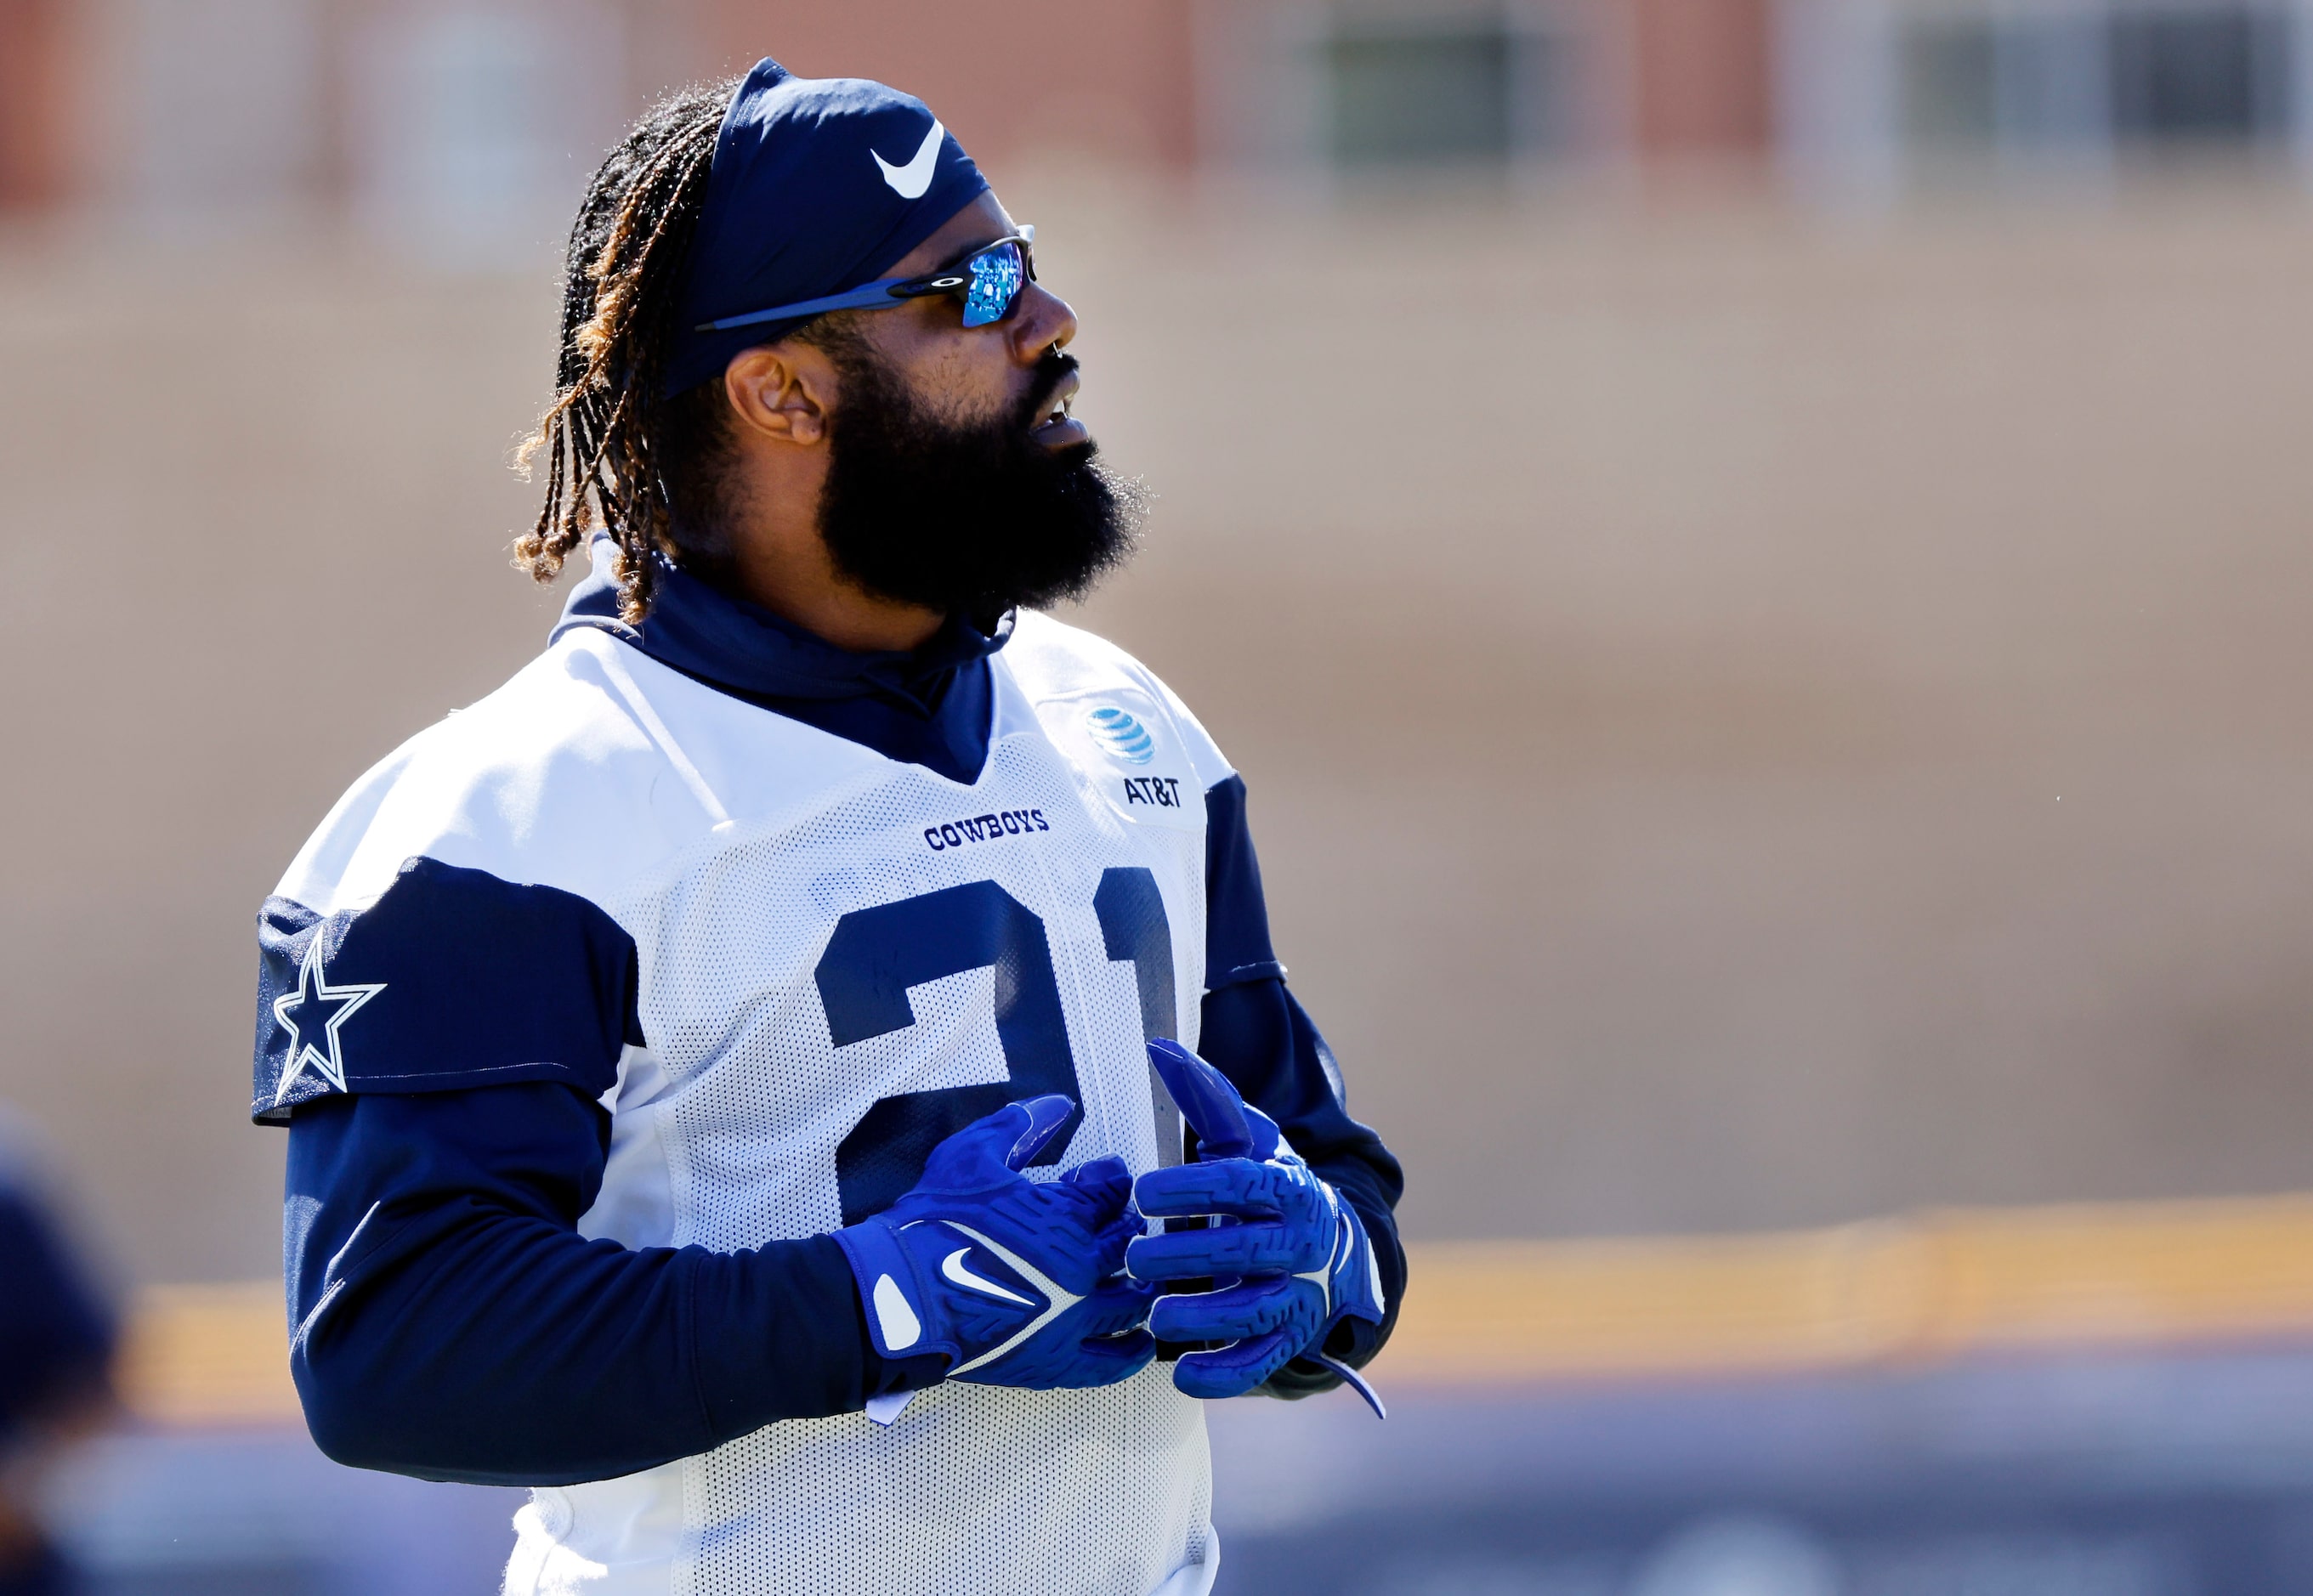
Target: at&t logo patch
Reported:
[(1121, 735)]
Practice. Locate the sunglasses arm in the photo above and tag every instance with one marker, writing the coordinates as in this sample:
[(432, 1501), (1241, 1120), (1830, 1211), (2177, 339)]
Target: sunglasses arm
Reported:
[(883, 293), (867, 296)]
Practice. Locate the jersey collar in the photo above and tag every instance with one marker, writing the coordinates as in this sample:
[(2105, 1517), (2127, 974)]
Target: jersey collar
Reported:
[(703, 632)]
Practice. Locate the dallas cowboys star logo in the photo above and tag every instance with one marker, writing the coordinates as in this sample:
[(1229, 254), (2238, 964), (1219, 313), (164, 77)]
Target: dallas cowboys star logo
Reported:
[(322, 1011)]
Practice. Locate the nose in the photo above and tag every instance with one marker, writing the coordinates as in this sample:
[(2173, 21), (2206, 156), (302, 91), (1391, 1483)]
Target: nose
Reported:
[(1041, 321)]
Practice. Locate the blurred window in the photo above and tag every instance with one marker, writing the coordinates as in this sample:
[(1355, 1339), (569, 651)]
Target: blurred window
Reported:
[(2129, 76), (2017, 83), (1950, 83), (1430, 96), (2215, 75), (476, 122), (216, 105), (1467, 91)]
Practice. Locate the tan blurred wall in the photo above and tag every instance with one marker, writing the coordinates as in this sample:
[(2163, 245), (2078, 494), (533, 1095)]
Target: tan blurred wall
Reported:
[(1755, 724), (1748, 723)]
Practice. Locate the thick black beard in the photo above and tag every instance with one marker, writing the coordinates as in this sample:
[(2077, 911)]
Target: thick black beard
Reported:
[(971, 519)]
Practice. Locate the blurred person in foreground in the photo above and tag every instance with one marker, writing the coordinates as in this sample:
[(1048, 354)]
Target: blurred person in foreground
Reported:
[(56, 1355), (713, 1063)]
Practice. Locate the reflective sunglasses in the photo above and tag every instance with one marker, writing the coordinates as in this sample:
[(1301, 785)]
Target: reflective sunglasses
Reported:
[(988, 281)]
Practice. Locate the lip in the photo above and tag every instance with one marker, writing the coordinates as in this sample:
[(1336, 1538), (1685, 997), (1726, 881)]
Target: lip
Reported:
[(1059, 429)]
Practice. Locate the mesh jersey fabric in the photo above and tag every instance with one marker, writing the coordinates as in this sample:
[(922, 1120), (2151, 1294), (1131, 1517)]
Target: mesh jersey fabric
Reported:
[(782, 887)]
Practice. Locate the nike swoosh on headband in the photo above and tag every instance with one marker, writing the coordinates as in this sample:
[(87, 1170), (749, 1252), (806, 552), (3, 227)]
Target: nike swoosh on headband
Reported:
[(912, 180), (953, 1267)]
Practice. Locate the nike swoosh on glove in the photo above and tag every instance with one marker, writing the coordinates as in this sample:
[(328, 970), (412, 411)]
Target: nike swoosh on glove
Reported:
[(1017, 1281), (1289, 1258)]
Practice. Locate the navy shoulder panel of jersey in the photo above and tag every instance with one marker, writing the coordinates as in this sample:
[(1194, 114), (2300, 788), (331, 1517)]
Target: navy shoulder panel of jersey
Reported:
[(1237, 915), (452, 979)]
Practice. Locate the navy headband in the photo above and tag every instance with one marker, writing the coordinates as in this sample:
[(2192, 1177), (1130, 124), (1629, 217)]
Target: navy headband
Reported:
[(819, 184)]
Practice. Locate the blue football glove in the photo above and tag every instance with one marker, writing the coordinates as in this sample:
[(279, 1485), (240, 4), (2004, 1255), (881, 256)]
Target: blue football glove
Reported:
[(1288, 1258), (1017, 1282)]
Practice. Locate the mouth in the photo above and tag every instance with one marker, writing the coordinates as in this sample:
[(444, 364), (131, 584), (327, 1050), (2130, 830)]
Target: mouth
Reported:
[(1053, 427)]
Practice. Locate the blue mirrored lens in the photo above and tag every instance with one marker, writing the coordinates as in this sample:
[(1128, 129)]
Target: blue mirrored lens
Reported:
[(996, 275)]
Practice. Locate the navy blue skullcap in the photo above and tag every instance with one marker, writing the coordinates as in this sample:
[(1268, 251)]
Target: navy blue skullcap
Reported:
[(819, 185)]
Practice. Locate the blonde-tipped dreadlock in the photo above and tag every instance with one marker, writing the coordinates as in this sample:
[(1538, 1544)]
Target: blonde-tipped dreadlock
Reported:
[(615, 447)]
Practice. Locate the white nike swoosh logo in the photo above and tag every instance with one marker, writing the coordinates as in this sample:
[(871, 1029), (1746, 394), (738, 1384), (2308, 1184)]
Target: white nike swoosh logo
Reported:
[(912, 180), (953, 1268), (1060, 1301)]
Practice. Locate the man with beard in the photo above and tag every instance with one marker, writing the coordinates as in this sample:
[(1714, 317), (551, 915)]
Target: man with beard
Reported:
[(722, 1066)]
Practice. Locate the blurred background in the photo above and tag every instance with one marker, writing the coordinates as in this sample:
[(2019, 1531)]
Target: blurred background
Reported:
[(1751, 553)]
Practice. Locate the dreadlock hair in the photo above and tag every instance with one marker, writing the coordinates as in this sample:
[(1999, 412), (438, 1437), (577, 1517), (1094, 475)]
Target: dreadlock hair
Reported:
[(650, 466)]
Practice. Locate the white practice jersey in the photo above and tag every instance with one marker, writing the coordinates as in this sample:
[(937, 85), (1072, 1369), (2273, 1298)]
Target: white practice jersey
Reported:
[(828, 942)]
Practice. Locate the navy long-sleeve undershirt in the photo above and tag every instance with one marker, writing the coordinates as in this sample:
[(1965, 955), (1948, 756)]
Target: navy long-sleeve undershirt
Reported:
[(459, 1327)]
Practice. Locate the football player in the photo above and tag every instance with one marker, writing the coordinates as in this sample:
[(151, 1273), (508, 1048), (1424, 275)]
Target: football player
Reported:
[(715, 1062), (56, 1343)]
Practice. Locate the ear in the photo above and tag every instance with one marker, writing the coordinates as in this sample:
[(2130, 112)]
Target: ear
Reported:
[(782, 392)]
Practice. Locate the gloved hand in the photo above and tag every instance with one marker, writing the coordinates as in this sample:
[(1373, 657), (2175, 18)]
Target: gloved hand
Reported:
[(1017, 1282), (1288, 1258)]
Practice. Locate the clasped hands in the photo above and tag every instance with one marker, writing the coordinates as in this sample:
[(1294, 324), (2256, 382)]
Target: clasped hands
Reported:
[(1054, 1284)]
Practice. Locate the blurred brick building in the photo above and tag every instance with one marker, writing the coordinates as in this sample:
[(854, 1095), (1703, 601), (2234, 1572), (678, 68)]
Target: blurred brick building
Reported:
[(189, 109), (186, 107), (33, 71)]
